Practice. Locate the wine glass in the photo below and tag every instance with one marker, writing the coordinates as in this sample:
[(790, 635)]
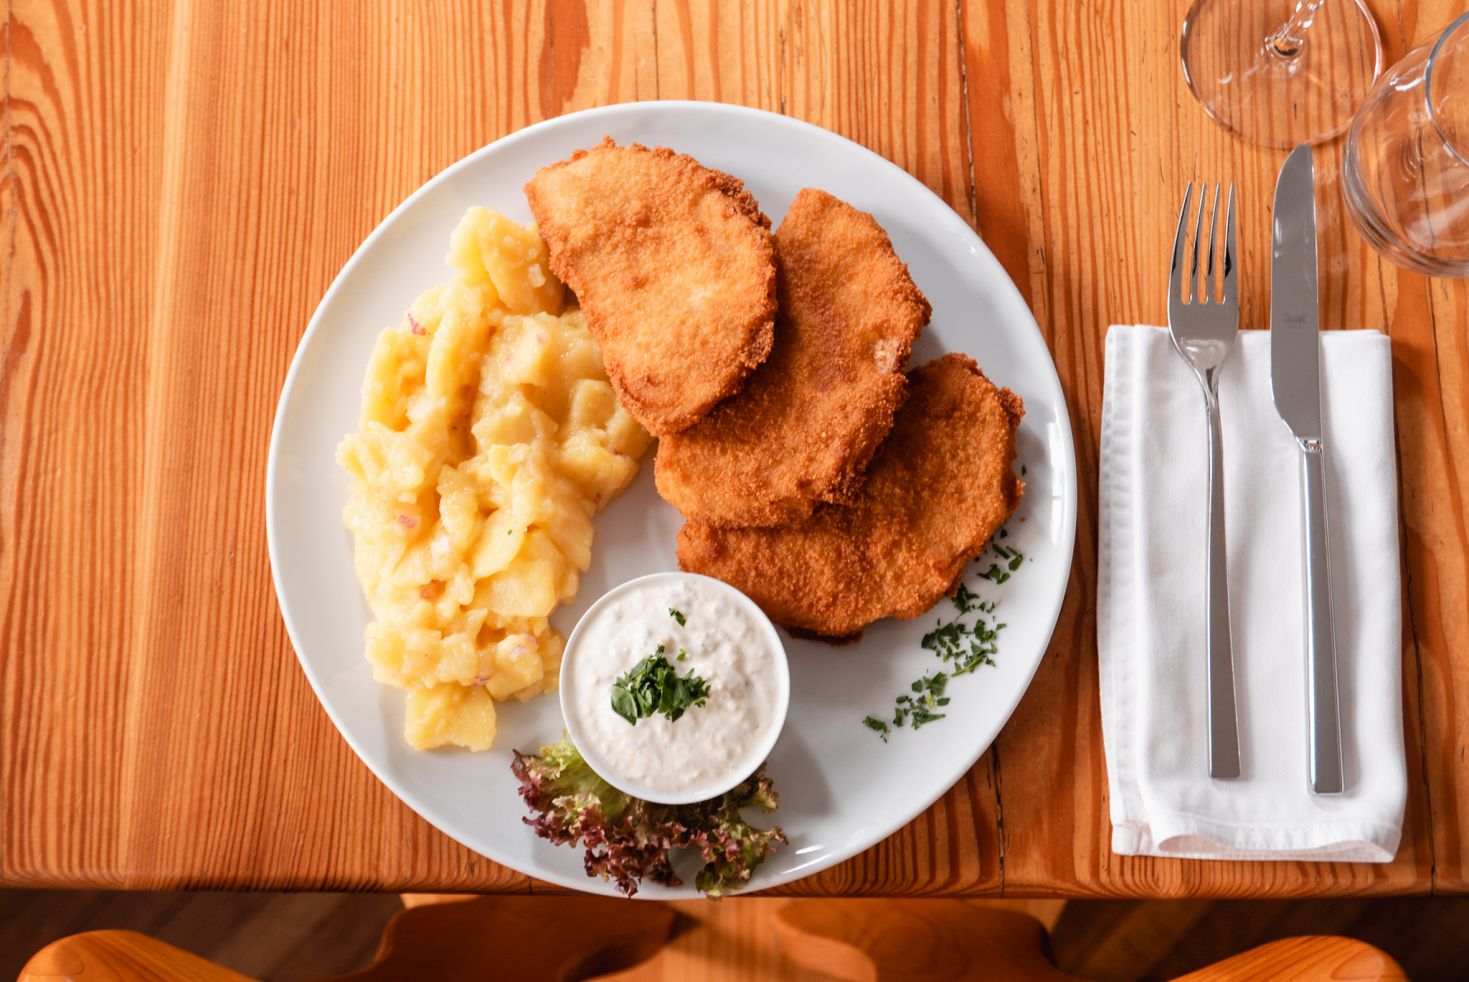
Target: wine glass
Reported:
[(1280, 72), (1405, 177)]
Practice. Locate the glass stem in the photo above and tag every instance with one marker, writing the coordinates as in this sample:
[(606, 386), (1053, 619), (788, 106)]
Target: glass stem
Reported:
[(1287, 41)]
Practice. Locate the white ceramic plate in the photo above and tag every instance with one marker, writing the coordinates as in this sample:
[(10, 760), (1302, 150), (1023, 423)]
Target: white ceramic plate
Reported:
[(841, 789)]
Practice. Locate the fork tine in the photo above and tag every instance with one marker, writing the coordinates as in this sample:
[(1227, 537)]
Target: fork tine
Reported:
[(1208, 288), (1231, 282), (1193, 270), (1175, 272)]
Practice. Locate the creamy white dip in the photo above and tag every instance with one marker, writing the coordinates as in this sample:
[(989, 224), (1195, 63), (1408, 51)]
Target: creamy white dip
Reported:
[(724, 640)]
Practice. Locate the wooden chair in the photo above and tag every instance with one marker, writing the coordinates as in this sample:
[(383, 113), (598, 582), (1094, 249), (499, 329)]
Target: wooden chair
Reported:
[(566, 938), (863, 940), (552, 938)]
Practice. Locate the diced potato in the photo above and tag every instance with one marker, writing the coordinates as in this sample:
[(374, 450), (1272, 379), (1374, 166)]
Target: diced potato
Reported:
[(568, 522), (525, 351), (423, 652), (516, 665), (580, 357), (598, 472), (385, 651), (503, 463), (464, 254), (489, 246), (626, 435), (450, 716), (499, 542), (459, 513), (552, 648), (384, 460), (456, 659), (394, 375), (456, 351), (515, 421), (592, 404), (526, 588)]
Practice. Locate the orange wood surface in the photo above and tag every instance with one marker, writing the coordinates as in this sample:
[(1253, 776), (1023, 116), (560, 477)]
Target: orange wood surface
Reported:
[(181, 182), (775, 940)]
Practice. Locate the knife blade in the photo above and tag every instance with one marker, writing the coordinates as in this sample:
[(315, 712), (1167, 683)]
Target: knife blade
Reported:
[(1295, 367), (1295, 380)]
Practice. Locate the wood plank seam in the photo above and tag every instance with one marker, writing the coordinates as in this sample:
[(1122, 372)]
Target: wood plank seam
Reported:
[(1418, 680), (657, 82), (7, 169), (10, 193), (1407, 576), (780, 67), (1404, 41), (964, 120), (1047, 287), (999, 816), (972, 193), (1412, 615)]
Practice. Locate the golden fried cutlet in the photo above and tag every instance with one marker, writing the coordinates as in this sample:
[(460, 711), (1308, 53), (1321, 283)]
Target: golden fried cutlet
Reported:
[(807, 422), (673, 266), (940, 487)]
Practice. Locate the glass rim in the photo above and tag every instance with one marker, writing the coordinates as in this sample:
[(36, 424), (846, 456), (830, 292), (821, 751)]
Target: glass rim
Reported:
[(1462, 155)]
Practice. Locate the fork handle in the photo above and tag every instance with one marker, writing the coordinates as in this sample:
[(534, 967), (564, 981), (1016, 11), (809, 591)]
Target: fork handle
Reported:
[(1323, 707), (1219, 646)]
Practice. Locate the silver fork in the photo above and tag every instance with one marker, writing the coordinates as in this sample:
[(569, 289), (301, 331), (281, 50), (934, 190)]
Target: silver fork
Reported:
[(1203, 331)]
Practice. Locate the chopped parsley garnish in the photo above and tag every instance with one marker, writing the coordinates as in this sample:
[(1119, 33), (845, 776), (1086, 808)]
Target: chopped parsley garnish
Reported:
[(921, 706), (964, 644), (966, 647), (877, 726), (653, 685), (965, 600), (1012, 557), (677, 615), (682, 654)]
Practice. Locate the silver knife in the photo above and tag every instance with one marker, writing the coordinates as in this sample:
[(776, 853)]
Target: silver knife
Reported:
[(1295, 377)]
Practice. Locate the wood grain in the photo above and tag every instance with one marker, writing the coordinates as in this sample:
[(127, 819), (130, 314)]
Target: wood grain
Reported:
[(260, 934), (759, 939), (121, 956), (911, 940), (182, 181), (1304, 960)]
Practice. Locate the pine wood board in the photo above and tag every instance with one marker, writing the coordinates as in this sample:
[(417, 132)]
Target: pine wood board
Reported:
[(183, 180)]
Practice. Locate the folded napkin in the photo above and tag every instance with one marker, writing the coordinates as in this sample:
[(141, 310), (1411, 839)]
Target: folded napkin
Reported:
[(1150, 603)]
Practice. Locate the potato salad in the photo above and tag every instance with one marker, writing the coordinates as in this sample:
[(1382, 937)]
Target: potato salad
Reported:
[(490, 437)]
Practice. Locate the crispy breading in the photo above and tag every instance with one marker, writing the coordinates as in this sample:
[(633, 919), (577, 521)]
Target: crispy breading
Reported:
[(808, 421), (941, 485), (673, 266)]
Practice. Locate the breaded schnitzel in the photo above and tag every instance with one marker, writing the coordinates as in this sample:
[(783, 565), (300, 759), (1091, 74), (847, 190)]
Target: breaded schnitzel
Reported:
[(939, 488), (673, 266), (807, 422)]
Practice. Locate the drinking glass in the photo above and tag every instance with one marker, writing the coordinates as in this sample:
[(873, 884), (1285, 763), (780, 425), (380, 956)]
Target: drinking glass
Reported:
[(1406, 173), (1280, 72)]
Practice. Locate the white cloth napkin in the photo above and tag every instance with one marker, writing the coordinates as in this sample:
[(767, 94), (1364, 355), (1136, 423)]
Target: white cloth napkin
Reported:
[(1150, 605)]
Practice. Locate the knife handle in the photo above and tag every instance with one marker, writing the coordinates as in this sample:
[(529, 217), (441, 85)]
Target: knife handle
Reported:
[(1323, 708), (1223, 721)]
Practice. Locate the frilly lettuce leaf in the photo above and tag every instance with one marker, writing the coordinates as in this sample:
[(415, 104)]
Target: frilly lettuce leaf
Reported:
[(627, 839)]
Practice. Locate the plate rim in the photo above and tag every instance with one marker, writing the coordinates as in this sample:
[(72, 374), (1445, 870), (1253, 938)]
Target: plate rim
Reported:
[(1066, 477)]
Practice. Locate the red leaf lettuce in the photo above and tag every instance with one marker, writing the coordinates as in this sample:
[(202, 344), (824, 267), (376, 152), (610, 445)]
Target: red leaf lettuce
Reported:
[(627, 839)]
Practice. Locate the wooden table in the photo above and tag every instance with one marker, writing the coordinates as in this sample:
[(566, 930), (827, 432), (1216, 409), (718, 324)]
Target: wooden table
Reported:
[(182, 182)]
